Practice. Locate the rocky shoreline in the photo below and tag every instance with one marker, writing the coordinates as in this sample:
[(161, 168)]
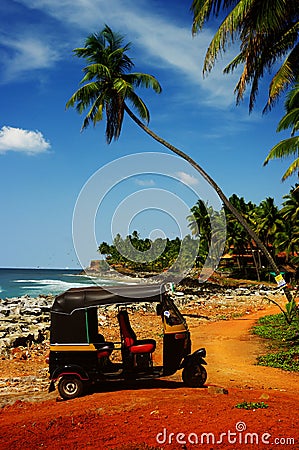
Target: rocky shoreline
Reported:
[(25, 320)]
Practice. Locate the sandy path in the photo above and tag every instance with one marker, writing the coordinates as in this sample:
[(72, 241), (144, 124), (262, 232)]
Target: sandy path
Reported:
[(231, 355)]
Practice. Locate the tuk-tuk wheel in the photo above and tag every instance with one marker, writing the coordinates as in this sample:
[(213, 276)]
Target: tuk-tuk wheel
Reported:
[(70, 387), (194, 375)]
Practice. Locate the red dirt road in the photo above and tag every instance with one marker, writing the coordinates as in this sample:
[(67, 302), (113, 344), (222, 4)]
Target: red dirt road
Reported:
[(165, 414)]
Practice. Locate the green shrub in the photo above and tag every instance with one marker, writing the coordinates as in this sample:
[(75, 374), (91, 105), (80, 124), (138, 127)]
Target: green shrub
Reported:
[(251, 405), (286, 360), (283, 340)]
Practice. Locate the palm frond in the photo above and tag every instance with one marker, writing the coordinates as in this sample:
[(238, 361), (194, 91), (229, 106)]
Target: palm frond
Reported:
[(283, 149), (100, 71), (267, 31), (139, 106), (230, 67), (292, 100), (290, 120), (144, 80), (83, 97), (203, 9), (226, 32), (284, 77), (294, 167), (95, 114), (120, 61)]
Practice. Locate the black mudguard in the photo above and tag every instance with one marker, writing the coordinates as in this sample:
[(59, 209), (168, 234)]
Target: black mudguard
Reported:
[(196, 357), (69, 370)]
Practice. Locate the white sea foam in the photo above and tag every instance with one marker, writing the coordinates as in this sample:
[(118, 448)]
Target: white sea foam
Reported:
[(47, 286), (50, 286), (49, 282)]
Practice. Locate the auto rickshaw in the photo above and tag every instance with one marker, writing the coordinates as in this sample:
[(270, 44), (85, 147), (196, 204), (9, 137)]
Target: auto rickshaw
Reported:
[(79, 354)]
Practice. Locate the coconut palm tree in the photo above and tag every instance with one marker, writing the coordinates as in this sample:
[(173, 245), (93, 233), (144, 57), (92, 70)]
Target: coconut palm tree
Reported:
[(290, 210), (238, 240), (287, 238), (287, 241), (200, 223), (268, 34), (108, 85), (268, 221), (288, 147)]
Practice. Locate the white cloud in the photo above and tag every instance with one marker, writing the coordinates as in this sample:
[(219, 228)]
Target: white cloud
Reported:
[(186, 178), (163, 42), (146, 183), (23, 141), (26, 54)]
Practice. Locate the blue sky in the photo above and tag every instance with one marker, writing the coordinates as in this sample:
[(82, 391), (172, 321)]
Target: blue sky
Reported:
[(46, 161)]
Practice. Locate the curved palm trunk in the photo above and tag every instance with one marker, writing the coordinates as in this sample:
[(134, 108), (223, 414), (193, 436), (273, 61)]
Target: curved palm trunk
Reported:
[(225, 200)]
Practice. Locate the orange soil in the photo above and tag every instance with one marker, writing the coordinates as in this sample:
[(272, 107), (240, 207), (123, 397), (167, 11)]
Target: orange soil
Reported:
[(128, 416)]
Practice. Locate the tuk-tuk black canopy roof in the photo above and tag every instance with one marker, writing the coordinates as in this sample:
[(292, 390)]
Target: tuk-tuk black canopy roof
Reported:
[(78, 298)]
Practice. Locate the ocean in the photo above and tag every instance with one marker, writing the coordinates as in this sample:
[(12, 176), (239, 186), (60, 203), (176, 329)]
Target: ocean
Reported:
[(34, 282)]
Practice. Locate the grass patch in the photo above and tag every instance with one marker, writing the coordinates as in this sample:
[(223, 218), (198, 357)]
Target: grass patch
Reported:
[(283, 341), (251, 405)]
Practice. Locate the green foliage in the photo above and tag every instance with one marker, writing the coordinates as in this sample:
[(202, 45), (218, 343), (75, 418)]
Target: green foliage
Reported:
[(277, 228), (145, 255), (267, 33), (284, 342), (109, 82), (286, 360), (276, 328), (251, 405), (288, 147)]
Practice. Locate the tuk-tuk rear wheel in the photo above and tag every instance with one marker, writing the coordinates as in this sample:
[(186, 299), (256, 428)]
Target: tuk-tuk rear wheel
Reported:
[(70, 387), (194, 375)]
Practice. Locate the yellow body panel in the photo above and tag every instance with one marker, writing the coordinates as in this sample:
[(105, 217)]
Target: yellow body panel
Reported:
[(171, 329), (72, 348)]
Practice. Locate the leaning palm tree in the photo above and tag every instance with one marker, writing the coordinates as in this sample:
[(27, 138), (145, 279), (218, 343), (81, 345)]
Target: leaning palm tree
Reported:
[(108, 85), (290, 146), (267, 31)]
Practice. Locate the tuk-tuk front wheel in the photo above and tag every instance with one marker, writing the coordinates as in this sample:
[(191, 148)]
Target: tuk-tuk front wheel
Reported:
[(70, 387), (194, 375)]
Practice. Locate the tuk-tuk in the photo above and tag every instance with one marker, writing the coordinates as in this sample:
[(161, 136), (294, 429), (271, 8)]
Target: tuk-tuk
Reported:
[(80, 356)]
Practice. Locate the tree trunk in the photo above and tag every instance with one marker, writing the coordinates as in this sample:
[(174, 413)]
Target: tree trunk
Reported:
[(255, 263), (225, 200)]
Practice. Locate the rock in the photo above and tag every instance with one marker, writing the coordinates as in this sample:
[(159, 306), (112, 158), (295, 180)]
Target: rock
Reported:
[(264, 397), (24, 321), (217, 390)]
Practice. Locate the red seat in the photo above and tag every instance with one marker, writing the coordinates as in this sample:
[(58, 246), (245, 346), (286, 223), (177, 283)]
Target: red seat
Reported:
[(104, 349), (129, 339)]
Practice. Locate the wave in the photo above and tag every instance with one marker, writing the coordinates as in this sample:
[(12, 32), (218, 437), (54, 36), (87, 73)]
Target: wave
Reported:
[(53, 287), (68, 283), (52, 282), (34, 287)]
